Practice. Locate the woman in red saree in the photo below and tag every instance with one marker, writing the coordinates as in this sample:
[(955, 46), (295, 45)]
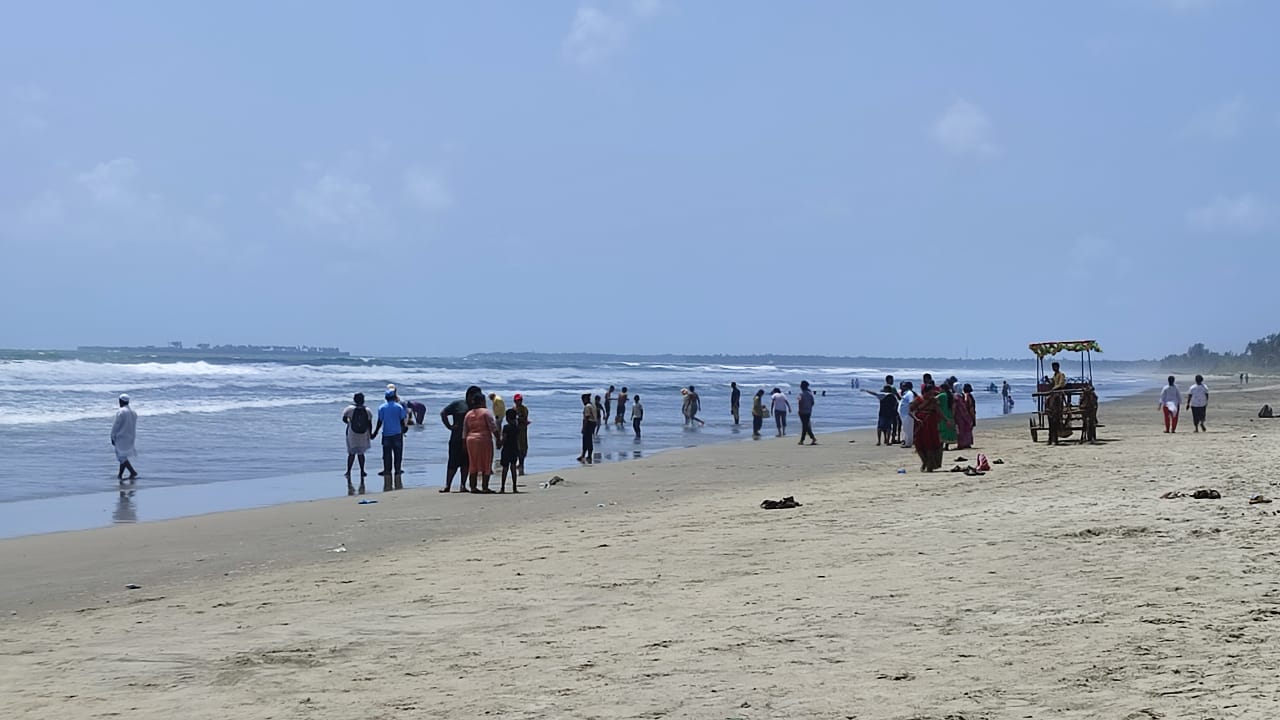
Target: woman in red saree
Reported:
[(925, 414), (966, 417)]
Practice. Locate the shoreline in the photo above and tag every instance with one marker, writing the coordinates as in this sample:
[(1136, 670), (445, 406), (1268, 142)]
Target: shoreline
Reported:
[(117, 506)]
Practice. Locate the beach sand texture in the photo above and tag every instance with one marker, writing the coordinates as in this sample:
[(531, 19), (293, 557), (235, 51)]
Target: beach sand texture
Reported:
[(1057, 586)]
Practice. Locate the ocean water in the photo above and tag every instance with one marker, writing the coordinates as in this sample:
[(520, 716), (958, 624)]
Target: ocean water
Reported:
[(257, 429)]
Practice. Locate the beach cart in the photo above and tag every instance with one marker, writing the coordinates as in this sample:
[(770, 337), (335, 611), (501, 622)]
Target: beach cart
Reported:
[(1046, 353)]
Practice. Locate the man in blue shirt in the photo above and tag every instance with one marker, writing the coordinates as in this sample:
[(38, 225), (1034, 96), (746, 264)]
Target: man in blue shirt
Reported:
[(391, 421)]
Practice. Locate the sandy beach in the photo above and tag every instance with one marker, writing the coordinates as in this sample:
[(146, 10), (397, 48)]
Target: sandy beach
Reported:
[(1058, 585)]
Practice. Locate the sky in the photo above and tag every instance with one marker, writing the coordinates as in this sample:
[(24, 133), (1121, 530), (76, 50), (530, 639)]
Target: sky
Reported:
[(641, 176)]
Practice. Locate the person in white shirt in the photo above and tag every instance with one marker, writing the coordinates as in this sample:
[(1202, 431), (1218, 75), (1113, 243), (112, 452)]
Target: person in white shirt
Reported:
[(904, 413), (1198, 403), (781, 407), (124, 433), (1170, 403)]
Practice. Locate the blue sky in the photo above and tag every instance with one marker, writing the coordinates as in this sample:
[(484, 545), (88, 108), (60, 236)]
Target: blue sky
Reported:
[(914, 178)]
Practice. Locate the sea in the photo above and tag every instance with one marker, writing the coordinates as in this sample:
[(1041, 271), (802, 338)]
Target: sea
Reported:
[(224, 434)]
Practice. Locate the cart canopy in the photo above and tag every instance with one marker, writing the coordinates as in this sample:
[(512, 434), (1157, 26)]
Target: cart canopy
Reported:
[(1044, 349)]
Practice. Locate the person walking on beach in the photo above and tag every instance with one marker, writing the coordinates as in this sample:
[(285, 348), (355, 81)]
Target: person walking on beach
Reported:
[(608, 405), (1198, 404), (637, 415), (510, 450), (452, 417), (757, 413), (359, 422), (124, 435), (600, 413), (695, 406), (1170, 403), (735, 397), (904, 414), (1006, 397), (926, 416), (391, 423), (685, 405), (620, 414), (589, 418), (781, 406), (480, 430), (522, 422), (805, 409), (888, 400)]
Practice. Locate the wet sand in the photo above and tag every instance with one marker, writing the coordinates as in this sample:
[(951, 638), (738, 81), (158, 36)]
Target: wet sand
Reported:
[(1058, 585)]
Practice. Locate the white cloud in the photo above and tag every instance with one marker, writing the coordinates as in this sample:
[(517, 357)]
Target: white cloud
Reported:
[(111, 184), (1221, 122), (427, 190), (964, 129), (1242, 214), (594, 37), (332, 199)]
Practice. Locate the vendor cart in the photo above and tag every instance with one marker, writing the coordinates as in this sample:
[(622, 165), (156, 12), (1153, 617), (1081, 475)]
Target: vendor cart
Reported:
[(1046, 353)]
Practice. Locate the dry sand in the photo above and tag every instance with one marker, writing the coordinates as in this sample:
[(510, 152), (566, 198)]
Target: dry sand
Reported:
[(1057, 586)]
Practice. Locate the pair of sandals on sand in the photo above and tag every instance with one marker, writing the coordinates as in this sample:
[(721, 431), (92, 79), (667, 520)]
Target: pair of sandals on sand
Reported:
[(1201, 494)]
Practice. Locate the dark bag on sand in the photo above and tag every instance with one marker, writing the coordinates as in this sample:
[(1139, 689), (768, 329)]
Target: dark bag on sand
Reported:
[(1265, 412), (360, 421)]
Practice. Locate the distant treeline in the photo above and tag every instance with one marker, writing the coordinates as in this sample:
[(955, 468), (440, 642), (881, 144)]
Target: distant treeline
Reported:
[(795, 360), (1262, 354)]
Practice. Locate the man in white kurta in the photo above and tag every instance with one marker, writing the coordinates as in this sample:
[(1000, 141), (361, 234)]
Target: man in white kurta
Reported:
[(124, 432)]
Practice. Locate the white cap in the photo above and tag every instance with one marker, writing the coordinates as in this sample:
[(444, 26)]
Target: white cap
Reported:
[(124, 398)]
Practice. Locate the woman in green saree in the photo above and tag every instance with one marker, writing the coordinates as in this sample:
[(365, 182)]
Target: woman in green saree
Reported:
[(946, 415)]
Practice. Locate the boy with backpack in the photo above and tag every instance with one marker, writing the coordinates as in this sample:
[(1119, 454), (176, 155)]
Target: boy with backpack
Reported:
[(359, 422)]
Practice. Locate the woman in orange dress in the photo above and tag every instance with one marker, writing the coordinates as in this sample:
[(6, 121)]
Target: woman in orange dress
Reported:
[(480, 430)]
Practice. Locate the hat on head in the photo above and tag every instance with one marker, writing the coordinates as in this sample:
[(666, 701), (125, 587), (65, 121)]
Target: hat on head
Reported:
[(517, 397), (124, 397), (391, 395)]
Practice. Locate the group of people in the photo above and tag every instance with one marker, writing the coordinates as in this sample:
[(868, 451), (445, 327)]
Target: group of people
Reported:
[(596, 414), (930, 421), (474, 432), (780, 408)]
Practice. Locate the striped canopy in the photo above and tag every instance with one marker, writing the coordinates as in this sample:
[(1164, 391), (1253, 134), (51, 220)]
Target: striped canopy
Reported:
[(1042, 349)]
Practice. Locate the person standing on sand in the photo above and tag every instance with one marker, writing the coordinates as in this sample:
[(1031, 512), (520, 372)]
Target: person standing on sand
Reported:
[(589, 418), (1089, 414), (480, 430), (637, 416), (1198, 404), (904, 414), (1170, 402), (926, 416), (359, 422), (391, 422), (946, 416), (620, 415), (695, 406), (608, 405), (522, 420), (896, 432), (757, 413), (888, 413), (124, 434), (781, 406), (510, 459), (964, 409), (805, 407), (735, 397), (452, 416)]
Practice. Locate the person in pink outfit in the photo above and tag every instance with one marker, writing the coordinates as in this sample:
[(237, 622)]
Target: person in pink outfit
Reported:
[(480, 431)]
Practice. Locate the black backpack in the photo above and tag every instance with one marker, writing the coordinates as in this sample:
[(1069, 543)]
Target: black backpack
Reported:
[(360, 420)]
